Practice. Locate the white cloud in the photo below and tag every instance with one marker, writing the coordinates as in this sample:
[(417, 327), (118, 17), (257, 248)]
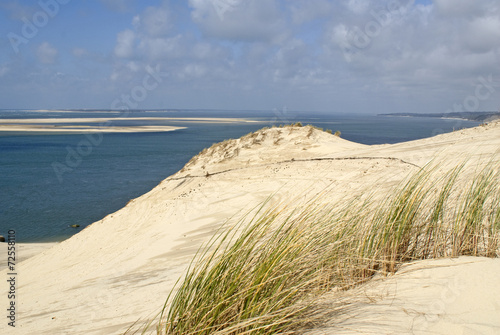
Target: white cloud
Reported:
[(266, 53), (156, 49), (154, 21), (153, 40), (193, 71), (79, 52), (46, 53), (305, 11), (247, 21), (3, 70), (483, 34), (358, 6), (291, 59), (152, 37), (259, 49), (125, 44), (465, 8), (338, 35)]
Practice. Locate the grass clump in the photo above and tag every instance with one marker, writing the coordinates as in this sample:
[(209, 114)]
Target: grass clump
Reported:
[(263, 277), (256, 283)]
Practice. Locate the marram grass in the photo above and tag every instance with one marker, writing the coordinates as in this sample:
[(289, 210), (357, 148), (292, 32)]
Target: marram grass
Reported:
[(264, 277)]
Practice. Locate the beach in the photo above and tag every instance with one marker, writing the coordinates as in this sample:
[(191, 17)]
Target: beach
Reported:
[(121, 269), (25, 251)]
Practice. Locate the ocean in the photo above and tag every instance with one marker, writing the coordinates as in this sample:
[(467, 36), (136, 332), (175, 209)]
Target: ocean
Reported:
[(42, 196)]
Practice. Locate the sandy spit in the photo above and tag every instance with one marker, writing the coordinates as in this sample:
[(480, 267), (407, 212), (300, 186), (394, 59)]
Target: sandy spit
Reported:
[(85, 129), (103, 125), (102, 120)]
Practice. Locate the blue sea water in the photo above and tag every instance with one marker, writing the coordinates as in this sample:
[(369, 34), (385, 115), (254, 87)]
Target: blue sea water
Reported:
[(41, 202)]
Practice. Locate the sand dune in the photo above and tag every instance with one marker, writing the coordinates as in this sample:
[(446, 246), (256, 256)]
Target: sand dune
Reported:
[(25, 251), (445, 296), (122, 267)]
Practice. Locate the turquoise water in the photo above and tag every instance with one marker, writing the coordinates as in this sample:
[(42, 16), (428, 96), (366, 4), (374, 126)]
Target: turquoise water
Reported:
[(41, 202)]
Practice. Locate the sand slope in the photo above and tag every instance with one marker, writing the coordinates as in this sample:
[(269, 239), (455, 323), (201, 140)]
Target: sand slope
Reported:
[(121, 268), (446, 296)]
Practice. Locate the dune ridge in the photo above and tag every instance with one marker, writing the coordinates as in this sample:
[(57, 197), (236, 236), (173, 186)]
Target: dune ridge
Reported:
[(122, 267)]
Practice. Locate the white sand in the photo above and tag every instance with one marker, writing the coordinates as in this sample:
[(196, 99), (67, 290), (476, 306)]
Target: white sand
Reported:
[(23, 251), (103, 125), (121, 268), (104, 120), (85, 129), (446, 296)]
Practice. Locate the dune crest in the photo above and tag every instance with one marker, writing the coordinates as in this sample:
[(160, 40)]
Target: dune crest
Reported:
[(267, 146)]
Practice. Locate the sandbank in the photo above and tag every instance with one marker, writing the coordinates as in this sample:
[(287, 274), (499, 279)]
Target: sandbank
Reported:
[(85, 129), (103, 125), (103, 120)]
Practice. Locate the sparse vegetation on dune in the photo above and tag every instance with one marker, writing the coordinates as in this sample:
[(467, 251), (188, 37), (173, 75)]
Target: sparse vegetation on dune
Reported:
[(263, 277), (230, 148)]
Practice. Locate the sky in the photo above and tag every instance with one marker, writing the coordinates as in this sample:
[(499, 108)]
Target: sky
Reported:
[(349, 56)]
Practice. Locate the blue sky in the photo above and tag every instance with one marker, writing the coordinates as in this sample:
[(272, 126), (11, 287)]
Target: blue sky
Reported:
[(321, 55)]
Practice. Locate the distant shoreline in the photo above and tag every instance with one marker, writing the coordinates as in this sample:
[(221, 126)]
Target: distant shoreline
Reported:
[(469, 116)]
